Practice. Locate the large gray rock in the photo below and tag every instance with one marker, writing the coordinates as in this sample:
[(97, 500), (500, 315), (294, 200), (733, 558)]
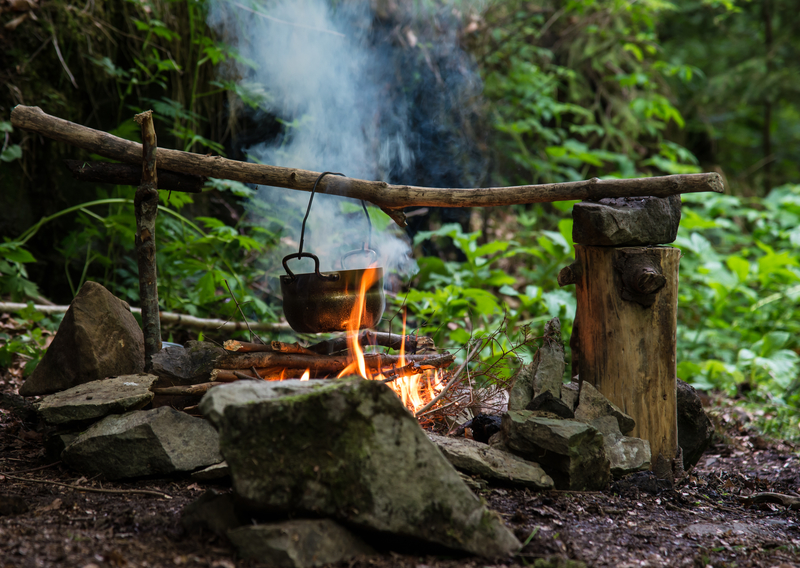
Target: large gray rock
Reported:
[(298, 544), (98, 338), (594, 405), (94, 400), (695, 430), (348, 450), (625, 454), (627, 221), (490, 463), (571, 452), (144, 442)]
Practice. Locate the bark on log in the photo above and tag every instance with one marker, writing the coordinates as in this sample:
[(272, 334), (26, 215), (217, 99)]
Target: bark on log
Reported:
[(322, 363), (146, 209), (128, 174), (382, 194), (627, 314), (413, 343)]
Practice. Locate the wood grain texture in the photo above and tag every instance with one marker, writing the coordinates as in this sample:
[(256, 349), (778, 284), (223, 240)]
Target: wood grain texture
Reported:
[(380, 193), (627, 350)]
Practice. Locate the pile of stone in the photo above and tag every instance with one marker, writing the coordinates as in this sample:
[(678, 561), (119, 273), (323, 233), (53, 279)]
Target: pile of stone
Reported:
[(321, 470)]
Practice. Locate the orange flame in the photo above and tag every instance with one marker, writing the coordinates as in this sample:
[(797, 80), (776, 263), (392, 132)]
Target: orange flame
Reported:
[(414, 390), (306, 376)]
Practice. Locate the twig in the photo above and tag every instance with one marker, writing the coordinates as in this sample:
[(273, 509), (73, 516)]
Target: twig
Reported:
[(786, 500), (64, 63), (92, 489), (166, 317), (417, 367), (453, 381), (41, 467), (238, 307)]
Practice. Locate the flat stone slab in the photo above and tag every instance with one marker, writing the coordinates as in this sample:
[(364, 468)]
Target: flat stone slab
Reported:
[(348, 450), (298, 544), (627, 221), (96, 399), (490, 463), (143, 443)]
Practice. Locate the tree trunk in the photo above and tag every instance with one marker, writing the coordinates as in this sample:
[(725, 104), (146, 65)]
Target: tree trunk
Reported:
[(627, 314)]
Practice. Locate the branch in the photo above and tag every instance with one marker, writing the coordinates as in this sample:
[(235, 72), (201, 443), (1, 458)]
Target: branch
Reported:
[(380, 193), (166, 317), (91, 489)]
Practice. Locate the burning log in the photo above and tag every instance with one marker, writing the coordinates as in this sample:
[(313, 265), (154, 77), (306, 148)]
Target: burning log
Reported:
[(391, 198), (410, 343), (326, 363), (273, 346)]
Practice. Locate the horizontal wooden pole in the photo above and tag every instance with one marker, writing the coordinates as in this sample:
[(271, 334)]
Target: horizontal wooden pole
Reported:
[(382, 194), (129, 174)]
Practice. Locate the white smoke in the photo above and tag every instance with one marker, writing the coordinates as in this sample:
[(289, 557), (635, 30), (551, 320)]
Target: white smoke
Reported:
[(328, 87)]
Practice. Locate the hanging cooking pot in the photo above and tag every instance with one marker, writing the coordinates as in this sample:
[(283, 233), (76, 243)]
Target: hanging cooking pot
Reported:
[(319, 302)]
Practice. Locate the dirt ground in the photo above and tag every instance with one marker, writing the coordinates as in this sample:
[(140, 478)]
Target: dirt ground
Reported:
[(700, 523)]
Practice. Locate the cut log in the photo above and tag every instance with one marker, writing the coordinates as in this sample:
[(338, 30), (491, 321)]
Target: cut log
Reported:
[(128, 174), (382, 194), (626, 332)]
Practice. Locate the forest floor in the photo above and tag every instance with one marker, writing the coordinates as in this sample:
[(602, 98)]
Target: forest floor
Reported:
[(700, 523)]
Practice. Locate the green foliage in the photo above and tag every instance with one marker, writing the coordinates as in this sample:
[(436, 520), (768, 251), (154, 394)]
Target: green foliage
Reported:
[(491, 289), (31, 344), (742, 110), (578, 90), (739, 315), (195, 257)]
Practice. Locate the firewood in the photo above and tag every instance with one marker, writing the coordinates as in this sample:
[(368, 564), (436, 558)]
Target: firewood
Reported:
[(321, 363), (273, 346), (413, 343), (184, 390)]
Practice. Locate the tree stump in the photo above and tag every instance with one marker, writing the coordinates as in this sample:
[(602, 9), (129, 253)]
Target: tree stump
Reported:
[(625, 337)]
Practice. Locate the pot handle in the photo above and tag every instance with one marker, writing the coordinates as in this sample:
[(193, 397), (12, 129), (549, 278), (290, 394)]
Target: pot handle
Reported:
[(368, 251), (330, 277)]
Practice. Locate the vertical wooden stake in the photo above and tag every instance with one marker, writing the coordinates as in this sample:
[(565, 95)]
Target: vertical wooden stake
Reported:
[(627, 314), (146, 207)]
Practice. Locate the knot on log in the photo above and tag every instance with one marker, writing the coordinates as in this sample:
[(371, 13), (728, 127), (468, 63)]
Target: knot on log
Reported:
[(640, 274), (569, 274)]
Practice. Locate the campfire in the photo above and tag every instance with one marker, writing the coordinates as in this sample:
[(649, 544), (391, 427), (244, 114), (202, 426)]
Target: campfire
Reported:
[(416, 372)]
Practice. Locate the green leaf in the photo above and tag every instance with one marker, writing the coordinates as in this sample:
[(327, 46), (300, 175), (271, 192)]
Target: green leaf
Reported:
[(11, 153), (738, 266)]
